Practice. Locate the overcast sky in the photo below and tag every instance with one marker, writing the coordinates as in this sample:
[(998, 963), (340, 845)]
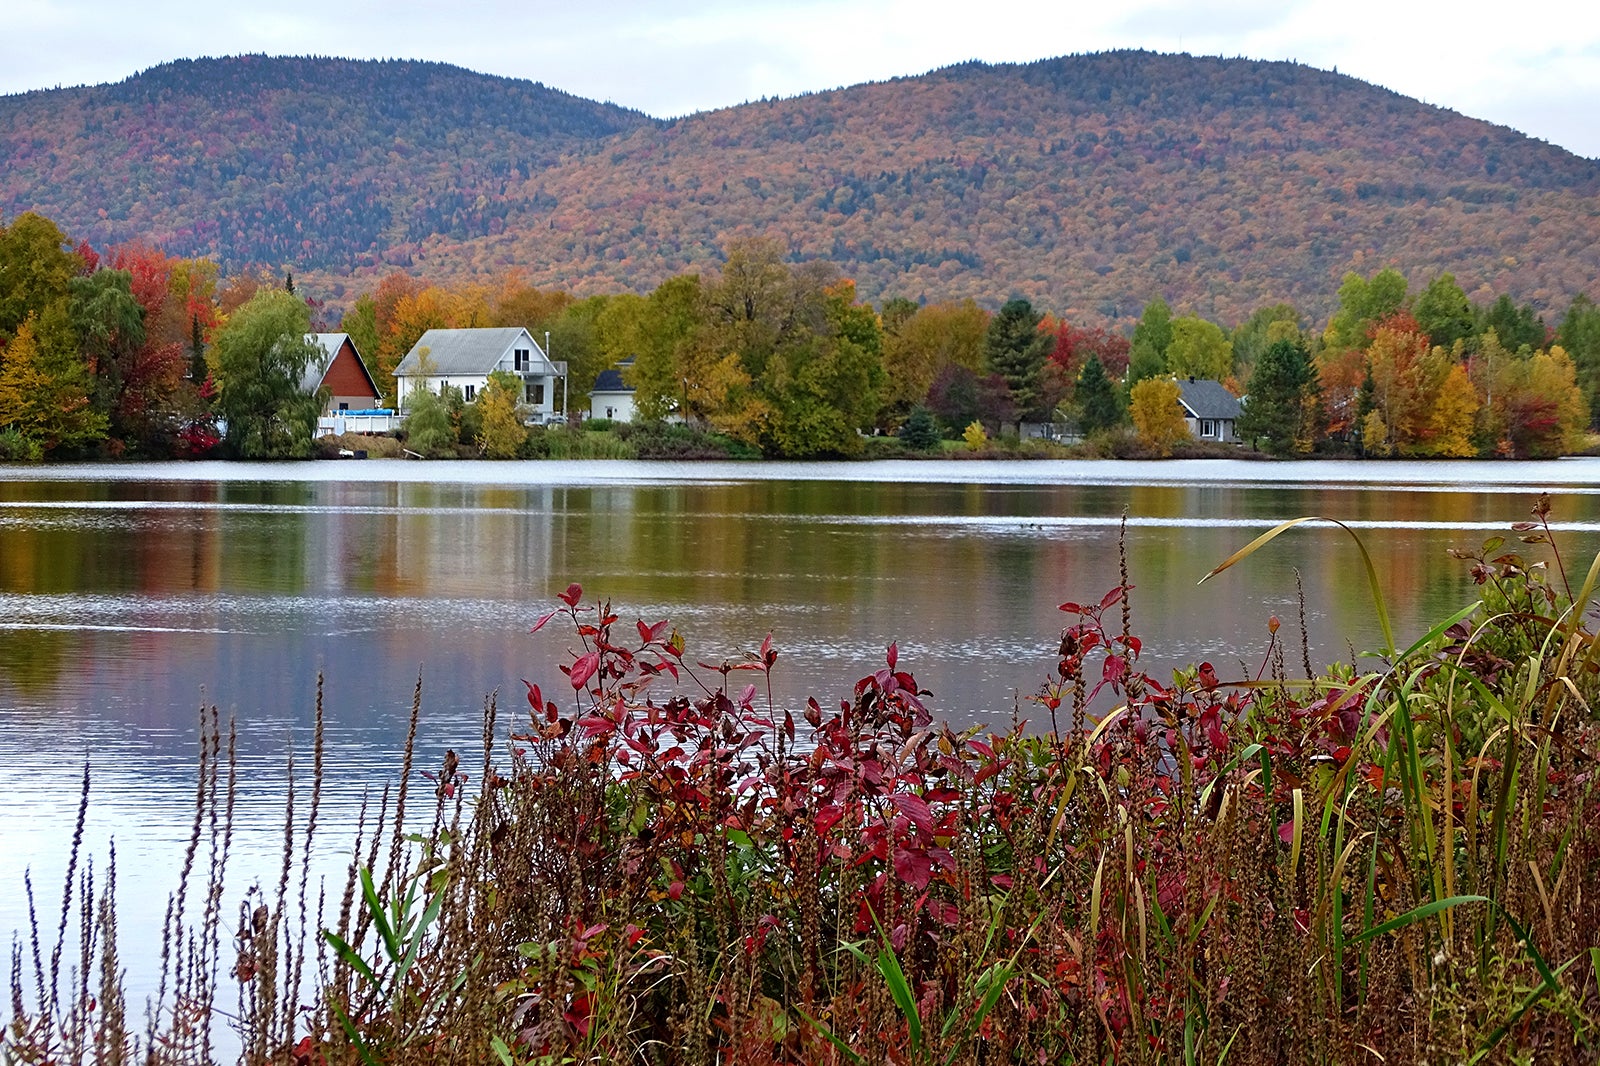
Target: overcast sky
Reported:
[(1533, 65)]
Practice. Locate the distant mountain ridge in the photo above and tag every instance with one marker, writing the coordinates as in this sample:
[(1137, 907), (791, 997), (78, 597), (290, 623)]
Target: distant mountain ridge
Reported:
[(317, 162), (1088, 183)]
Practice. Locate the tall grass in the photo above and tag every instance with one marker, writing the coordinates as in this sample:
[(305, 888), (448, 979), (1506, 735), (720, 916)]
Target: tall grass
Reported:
[(662, 865)]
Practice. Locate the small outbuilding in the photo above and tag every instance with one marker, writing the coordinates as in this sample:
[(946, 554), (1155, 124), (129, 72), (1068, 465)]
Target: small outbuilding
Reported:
[(612, 396), (353, 395), (1209, 410)]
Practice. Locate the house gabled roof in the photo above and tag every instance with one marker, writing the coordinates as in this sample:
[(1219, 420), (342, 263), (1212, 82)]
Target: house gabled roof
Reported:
[(470, 351), (317, 369), (1207, 399)]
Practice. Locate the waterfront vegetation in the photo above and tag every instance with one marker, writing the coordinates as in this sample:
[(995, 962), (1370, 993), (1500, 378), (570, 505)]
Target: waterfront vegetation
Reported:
[(654, 860), (137, 353)]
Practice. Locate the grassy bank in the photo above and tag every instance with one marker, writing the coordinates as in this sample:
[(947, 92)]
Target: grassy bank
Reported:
[(1245, 863)]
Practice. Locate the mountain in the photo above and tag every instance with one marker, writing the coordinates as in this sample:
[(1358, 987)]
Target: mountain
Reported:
[(1088, 183), (330, 163)]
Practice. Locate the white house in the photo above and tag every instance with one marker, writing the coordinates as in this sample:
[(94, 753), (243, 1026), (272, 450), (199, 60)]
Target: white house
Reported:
[(611, 396), (465, 358)]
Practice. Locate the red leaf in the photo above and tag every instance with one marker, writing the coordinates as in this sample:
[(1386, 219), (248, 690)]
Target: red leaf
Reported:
[(916, 809), (1111, 597), (573, 594), (913, 867), (1071, 608), (535, 697), (540, 623), (584, 668), (894, 654)]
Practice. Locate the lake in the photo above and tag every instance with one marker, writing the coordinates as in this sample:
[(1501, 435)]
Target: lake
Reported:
[(133, 595)]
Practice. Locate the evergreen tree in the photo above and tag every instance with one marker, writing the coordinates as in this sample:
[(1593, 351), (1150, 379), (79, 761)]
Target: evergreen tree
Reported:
[(1517, 327), (198, 370), (920, 431), (1098, 405), (1579, 334), (1281, 397), (1015, 349)]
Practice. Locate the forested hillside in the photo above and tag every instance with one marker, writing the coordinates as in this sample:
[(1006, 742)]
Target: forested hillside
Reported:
[(329, 163), (1087, 183)]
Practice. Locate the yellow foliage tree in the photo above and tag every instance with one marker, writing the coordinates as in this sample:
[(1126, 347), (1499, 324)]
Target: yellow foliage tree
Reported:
[(45, 400), (502, 434), (1157, 415), (1455, 405)]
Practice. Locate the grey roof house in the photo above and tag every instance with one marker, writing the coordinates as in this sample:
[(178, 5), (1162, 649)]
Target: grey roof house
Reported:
[(465, 358), (1209, 409)]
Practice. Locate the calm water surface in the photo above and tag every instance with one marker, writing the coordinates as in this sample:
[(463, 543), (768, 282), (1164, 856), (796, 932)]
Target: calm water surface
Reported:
[(131, 596)]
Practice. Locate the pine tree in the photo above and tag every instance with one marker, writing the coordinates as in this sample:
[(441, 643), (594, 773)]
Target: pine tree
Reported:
[(1098, 408), (1281, 393), (1015, 349)]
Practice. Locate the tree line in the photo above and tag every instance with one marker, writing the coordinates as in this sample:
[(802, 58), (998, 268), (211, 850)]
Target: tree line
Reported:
[(136, 352)]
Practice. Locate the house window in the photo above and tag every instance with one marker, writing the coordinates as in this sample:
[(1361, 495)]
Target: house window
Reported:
[(1208, 428), (520, 358), (534, 393), (344, 407), (471, 393), (611, 412)]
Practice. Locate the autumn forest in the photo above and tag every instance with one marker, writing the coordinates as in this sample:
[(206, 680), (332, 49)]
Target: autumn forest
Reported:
[(949, 256)]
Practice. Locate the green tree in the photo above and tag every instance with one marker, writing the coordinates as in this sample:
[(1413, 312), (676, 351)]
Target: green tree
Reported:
[(262, 354), (1154, 329), (1265, 327), (45, 400), (428, 429), (1199, 349), (1517, 327), (920, 431), (1579, 334), (110, 326), (1015, 349), (1444, 312), (822, 385), (361, 322), (35, 268), (670, 328), (1144, 361), (1362, 304), (1099, 408), (1281, 404)]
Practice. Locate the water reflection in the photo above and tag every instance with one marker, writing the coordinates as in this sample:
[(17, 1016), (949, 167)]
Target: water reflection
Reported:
[(132, 598)]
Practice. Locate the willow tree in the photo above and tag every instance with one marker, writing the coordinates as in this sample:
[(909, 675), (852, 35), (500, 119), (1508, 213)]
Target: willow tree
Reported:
[(262, 355)]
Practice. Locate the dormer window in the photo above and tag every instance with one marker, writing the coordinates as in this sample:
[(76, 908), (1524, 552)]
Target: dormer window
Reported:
[(520, 358)]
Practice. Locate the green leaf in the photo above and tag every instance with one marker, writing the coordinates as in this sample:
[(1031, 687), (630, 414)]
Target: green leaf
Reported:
[(900, 989), (349, 956), (355, 1037), (1416, 914), (832, 1038), (375, 906)]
